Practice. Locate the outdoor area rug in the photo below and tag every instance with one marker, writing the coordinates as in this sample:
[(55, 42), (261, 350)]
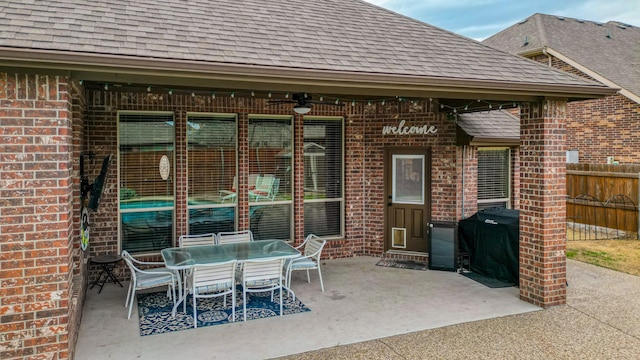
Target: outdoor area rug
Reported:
[(403, 264), (486, 281), (154, 310)]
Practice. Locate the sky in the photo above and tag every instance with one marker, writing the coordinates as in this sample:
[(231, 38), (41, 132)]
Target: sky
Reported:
[(479, 19)]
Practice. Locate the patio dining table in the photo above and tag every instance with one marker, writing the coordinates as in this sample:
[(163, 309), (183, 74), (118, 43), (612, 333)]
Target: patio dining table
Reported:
[(184, 258)]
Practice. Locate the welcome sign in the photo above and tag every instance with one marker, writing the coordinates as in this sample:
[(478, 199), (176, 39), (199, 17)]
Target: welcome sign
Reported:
[(402, 129)]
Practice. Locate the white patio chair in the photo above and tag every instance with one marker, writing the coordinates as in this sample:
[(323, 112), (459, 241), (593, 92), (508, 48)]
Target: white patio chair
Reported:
[(234, 237), (211, 280), (148, 278), (266, 188), (194, 240), (229, 194), (262, 275), (311, 251)]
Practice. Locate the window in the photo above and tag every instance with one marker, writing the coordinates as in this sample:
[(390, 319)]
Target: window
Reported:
[(494, 174), (212, 172), (323, 169), (408, 179), (269, 178), (146, 173)]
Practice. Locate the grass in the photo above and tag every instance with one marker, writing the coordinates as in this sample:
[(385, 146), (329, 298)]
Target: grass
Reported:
[(620, 255)]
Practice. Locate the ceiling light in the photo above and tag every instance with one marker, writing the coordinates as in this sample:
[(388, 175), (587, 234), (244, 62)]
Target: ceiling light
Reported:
[(302, 109)]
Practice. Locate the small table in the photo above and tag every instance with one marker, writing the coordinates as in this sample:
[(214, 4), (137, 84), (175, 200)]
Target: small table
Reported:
[(107, 264)]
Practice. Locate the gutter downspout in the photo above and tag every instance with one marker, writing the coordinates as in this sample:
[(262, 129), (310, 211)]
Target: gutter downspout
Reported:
[(464, 152)]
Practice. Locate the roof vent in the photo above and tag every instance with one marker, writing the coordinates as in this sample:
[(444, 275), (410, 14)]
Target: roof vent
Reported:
[(560, 18), (580, 21), (609, 33), (622, 27), (526, 41)]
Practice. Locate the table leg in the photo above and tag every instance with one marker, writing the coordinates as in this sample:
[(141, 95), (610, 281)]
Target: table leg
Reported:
[(110, 274), (98, 282), (107, 272), (180, 295)]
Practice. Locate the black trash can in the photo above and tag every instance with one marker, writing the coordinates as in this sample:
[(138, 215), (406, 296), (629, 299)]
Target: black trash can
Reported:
[(490, 237)]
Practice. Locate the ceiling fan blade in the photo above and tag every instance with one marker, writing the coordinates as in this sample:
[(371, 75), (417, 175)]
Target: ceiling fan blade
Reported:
[(281, 101), (325, 102)]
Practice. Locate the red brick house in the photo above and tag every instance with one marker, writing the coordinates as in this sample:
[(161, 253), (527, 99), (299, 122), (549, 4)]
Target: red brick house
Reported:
[(598, 129), (348, 109)]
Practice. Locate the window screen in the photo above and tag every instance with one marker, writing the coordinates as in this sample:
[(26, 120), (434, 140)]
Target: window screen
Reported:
[(323, 169), (212, 173), (269, 178), (494, 173), (146, 172)]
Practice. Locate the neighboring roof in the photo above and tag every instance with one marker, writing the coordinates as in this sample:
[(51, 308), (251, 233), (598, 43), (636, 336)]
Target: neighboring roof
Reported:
[(610, 50), (349, 43), (496, 127)]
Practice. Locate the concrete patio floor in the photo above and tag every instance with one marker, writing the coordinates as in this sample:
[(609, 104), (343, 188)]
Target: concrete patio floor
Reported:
[(361, 302), (600, 321)]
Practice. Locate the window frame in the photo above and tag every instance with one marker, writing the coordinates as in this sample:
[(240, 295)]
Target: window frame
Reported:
[(508, 176), (341, 199), (119, 113), (237, 158), (247, 142)]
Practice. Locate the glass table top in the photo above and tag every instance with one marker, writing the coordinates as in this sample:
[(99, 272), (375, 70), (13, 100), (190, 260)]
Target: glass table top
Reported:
[(185, 257)]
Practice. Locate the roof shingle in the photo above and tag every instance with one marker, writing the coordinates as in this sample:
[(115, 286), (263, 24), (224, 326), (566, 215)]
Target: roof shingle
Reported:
[(611, 49), (333, 35)]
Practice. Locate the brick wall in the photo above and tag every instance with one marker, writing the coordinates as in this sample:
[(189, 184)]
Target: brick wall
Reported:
[(444, 180), (605, 127), (542, 201), (364, 148), (101, 138), (469, 159), (36, 207), (79, 258), (611, 123)]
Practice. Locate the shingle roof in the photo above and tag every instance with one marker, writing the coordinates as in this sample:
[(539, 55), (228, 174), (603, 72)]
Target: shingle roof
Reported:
[(496, 127), (611, 49), (333, 35)]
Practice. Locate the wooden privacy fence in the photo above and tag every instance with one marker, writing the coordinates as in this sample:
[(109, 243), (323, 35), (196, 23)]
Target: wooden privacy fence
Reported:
[(602, 201)]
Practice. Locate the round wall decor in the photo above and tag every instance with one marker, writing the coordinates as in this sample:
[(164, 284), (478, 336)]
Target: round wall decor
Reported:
[(165, 167)]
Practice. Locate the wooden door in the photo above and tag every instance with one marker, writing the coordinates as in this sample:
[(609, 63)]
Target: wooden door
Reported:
[(408, 200)]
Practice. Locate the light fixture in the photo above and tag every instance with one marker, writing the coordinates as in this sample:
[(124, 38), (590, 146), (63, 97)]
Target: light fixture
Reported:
[(301, 109)]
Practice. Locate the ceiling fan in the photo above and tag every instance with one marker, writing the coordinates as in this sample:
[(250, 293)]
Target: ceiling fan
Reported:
[(303, 102)]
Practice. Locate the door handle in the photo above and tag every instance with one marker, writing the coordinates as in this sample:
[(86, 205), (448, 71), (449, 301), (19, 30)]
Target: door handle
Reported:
[(389, 203)]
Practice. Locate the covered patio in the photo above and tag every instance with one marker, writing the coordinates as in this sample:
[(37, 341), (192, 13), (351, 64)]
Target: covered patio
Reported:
[(380, 302)]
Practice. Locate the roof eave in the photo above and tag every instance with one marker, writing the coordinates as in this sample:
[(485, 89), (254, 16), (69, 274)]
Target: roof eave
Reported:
[(629, 94), (480, 141), (127, 69)]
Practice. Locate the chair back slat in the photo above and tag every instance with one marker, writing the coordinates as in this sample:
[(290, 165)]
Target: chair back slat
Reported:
[(314, 245), (213, 274), (262, 269), (195, 240), (234, 237)]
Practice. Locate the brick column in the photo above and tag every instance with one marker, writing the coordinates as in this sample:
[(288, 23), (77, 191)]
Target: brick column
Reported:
[(543, 203), (36, 195)]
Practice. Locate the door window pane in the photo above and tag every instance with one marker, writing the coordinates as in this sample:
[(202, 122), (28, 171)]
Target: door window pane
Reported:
[(269, 178), (212, 173), (323, 169), (408, 179), (146, 156)]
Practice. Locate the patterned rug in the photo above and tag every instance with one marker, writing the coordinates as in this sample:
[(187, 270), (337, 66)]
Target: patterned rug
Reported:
[(403, 264), (154, 310)]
